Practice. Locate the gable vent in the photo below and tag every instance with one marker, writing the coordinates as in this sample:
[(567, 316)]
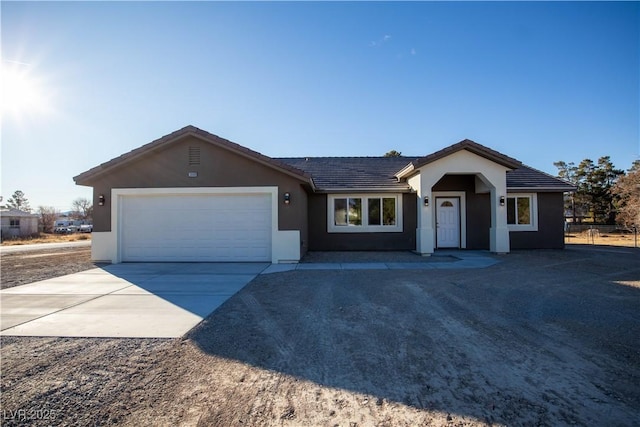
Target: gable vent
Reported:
[(194, 156)]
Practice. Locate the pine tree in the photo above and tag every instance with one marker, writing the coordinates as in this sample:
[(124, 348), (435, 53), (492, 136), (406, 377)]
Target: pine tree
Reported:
[(393, 153), (594, 182), (19, 201)]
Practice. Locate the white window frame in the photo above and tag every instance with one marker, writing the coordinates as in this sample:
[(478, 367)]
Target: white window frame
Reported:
[(533, 211), (14, 223), (364, 228)]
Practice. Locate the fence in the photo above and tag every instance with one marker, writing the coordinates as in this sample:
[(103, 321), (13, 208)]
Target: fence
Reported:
[(598, 234), (602, 229)]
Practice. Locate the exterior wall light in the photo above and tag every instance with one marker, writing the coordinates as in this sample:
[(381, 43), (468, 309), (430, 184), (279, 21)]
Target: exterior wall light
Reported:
[(287, 198), (501, 200), (101, 200), (426, 200)]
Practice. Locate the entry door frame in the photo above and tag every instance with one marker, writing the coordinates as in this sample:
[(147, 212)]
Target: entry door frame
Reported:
[(460, 195)]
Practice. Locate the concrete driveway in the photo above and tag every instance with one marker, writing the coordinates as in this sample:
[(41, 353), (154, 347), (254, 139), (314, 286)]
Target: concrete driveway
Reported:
[(163, 300)]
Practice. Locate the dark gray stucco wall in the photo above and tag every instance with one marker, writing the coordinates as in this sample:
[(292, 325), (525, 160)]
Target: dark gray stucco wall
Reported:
[(550, 234), (321, 240), (478, 220)]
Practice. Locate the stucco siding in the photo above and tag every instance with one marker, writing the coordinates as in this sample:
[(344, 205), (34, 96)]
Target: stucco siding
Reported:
[(321, 240), (478, 220), (550, 234), (169, 167)]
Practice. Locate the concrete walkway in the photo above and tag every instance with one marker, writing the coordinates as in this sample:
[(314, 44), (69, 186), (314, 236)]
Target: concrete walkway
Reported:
[(123, 300), (463, 260)]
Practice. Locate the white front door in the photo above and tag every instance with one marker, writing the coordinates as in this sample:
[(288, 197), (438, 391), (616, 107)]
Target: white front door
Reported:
[(447, 222)]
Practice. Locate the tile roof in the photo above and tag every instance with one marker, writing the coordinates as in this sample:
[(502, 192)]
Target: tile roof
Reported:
[(528, 178), (352, 173), (378, 174), (347, 173)]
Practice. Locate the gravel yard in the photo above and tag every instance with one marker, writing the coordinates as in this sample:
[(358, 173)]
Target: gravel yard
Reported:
[(541, 338), (20, 268)]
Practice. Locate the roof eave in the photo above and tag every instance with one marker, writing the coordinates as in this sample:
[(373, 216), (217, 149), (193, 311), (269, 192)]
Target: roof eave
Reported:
[(542, 189), (405, 171), (474, 148), (364, 190), (85, 177)]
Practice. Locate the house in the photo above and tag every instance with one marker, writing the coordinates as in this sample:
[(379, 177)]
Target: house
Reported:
[(17, 223), (193, 196)]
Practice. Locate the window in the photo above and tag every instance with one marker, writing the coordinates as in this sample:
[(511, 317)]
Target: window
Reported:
[(364, 213), (382, 211), (348, 211), (375, 214), (522, 212), (14, 223)]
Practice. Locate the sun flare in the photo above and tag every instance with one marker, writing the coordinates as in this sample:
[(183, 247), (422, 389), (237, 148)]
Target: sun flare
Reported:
[(22, 93)]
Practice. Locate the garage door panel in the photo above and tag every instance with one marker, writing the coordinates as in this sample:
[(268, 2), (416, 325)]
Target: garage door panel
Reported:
[(196, 228)]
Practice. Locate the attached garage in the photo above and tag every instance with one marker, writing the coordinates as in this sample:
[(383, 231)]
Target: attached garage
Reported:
[(185, 227), (191, 196)]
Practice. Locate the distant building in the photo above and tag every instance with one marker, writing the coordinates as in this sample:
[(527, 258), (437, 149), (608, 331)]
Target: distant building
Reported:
[(66, 220), (16, 223)]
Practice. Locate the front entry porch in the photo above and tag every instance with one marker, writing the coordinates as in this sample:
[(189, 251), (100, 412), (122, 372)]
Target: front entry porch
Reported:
[(443, 206)]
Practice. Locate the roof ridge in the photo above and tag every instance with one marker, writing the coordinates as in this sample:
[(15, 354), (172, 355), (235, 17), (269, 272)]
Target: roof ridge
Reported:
[(347, 157), (193, 130), (473, 147)]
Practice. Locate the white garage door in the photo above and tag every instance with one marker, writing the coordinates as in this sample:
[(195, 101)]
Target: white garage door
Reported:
[(192, 228)]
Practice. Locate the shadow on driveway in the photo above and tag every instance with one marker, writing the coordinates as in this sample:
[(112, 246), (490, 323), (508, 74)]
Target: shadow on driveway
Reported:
[(198, 288), (160, 300)]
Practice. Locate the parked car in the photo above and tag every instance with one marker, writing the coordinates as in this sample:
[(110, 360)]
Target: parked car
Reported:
[(63, 230), (86, 228)]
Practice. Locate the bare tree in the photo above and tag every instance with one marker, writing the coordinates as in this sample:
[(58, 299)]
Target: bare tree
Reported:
[(627, 191), (82, 208), (48, 216)]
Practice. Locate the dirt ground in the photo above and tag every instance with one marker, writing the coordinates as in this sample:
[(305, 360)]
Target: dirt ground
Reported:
[(47, 238), (541, 338), (20, 268), (627, 240)]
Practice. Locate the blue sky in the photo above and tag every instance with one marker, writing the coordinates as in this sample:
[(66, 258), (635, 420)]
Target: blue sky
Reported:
[(540, 82)]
